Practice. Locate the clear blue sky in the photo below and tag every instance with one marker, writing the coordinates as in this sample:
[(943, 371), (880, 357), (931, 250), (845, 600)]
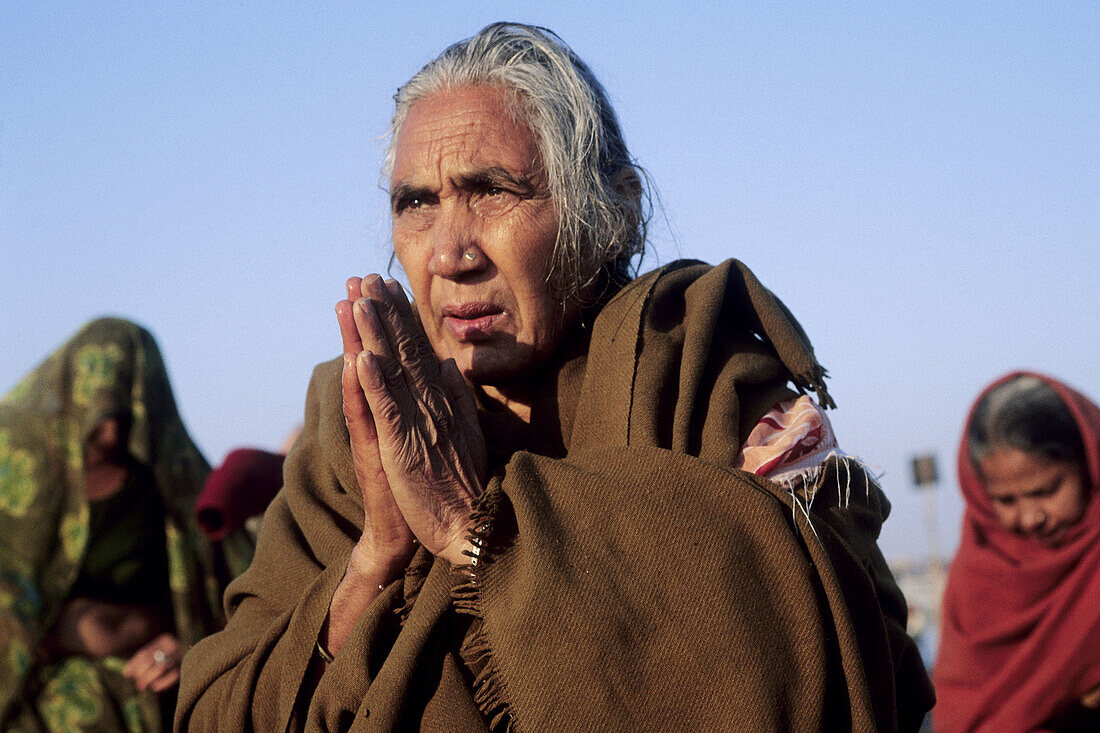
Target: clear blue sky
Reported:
[(919, 182)]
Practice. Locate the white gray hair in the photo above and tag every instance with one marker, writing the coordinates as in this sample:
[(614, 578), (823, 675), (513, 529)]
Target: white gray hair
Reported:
[(1025, 413), (600, 193)]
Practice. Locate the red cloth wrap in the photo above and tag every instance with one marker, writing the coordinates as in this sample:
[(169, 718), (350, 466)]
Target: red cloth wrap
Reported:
[(1020, 631), (241, 487)]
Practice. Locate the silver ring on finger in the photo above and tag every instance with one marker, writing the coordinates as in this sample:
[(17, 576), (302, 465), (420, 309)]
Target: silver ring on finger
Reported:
[(160, 658)]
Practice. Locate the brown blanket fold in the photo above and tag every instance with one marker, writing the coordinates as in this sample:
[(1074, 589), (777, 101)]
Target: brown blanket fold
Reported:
[(632, 580)]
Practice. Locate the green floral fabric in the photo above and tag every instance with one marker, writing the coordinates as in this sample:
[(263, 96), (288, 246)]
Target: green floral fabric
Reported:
[(81, 694), (17, 486), (110, 368)]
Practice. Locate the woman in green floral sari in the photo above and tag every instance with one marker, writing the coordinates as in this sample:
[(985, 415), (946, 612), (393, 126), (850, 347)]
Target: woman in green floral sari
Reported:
[(104, 579)]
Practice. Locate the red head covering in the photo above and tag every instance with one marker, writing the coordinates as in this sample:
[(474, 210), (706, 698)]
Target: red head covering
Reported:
[(1020, 632), (241, 487)]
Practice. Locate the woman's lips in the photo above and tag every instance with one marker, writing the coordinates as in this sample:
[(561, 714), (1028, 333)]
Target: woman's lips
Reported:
[(472, 321), (1053, 538)]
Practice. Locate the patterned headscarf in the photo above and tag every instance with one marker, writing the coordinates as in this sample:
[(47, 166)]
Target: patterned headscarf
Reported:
[(110, 369)]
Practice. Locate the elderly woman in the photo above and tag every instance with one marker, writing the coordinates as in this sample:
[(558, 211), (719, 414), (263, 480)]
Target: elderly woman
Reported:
[(535, 500), (104, 579), (1020, 645)]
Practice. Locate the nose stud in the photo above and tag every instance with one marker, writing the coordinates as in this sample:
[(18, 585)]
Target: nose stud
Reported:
[(1040, 516), (469, 256)]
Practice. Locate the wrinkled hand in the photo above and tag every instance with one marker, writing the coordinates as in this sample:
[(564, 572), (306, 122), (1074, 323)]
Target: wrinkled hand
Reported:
[(387, 543), (97, 629), (429, 441), (155, 666)]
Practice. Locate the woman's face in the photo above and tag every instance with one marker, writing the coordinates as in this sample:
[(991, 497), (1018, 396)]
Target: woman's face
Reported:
[(105, 444), (1032, 496), (474, 228)]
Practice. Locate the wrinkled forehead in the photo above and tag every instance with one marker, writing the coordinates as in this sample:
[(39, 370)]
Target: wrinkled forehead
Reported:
[(457, 131)]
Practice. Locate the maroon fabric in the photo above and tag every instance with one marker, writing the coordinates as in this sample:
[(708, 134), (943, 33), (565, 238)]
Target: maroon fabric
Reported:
[(1020, 635), (241, 487)]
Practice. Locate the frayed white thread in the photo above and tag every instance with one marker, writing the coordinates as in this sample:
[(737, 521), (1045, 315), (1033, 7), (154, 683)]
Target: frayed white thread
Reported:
[(802, 485), (798, 502), (847, 488), (870, 474)]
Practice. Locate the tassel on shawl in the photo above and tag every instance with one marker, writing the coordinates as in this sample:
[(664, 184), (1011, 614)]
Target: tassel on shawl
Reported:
[(805, 485), (815, 382), (465, 593), (488, 685)]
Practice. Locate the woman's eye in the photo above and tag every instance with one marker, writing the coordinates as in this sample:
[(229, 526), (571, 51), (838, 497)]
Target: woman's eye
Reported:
[(1042, 492), (490, 191), (412, 200), (494, 200)]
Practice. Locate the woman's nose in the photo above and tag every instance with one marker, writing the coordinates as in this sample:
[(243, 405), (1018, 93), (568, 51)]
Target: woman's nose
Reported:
[(1031, 518), (455, 250)]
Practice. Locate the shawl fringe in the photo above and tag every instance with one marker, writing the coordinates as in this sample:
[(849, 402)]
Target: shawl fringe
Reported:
[(803, 486), (488, 684), (815, 381)]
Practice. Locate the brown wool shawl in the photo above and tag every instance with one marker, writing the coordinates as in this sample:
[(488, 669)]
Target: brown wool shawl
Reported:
[(630, 578)]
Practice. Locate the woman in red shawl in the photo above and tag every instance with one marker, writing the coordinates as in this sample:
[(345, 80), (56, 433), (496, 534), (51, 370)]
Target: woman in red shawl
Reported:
[(1020, 646)]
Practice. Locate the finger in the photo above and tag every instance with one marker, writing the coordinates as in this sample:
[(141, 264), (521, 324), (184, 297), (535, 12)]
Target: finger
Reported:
[(145, 670), (411, 323), (354, 287), (363, 434), (394, 390), (462, 397), (357, 416), (142, 658), (357, 413), (146, 678), (139, 662), (396, 418), (403, 333), (349, 334), (370, 329), (379, 379), (170, 678), (159, 676), (400, 301)]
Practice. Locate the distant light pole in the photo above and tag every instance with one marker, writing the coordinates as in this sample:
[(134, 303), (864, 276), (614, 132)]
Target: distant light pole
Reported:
[(926, 478)]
